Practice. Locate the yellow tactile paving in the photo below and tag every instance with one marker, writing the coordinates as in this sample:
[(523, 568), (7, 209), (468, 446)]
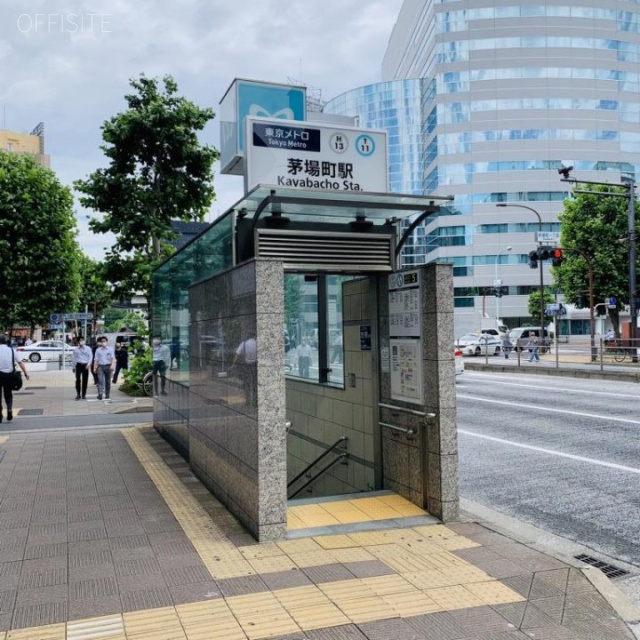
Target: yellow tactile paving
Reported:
[(260, 551), (262, 616), (343, 590), (456, 597), (303, 545), (492, 592), (353, 554), (212, 620), (416, 605), (312, 558), (350, 511), (273, 564), (430, 579), (335, 542), (319, 616), (387, 585), (301, 597), (366, 609), (154, 624), (102, 628)]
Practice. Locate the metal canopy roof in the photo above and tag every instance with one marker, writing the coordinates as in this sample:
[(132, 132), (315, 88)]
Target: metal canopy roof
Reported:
[(334, 206)]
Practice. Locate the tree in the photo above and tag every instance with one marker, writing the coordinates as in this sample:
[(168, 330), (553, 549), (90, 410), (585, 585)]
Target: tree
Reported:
[(534, 304), (158, 171), (593, 226), (95, 291), (38, 249)]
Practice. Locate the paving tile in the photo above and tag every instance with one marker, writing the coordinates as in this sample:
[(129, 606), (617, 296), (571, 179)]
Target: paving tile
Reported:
[(45, 551), (328, 573), (186, 575), (500, 568), (137, 567), (81, 531), (195, 592), (7, 600), (505, 635), (479, 620), (83, 609), (547, 584), (43, 577), (438, 626), (241, 586), (141, 581), (285, 579), (577, 583), (129, 542), (146, 599), (390, 630), (520, 583), (345, 632), (534, 617), (10, 575), (38, 615), (97, 588), (368, 568), (90, 559), (513, 613)]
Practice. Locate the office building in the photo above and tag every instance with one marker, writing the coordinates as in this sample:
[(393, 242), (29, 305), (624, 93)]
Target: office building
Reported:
[(31, 143), (485, 101)]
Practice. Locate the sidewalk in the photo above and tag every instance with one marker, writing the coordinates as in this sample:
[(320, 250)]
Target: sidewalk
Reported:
[(52, 393), (107, 534)]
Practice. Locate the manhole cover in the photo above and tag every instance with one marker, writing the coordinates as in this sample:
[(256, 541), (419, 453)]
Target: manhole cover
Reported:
[(31, 412), (609, 570)]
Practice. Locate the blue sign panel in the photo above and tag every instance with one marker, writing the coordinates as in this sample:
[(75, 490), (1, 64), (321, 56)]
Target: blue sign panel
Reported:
[(285, 137), (268, 101)]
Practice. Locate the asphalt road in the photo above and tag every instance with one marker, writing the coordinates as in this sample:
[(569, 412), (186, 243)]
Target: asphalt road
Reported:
[(559, 453)]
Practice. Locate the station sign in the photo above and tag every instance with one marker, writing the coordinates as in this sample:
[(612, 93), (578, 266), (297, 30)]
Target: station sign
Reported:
[(548, 237), (314, 156), (57, 318)]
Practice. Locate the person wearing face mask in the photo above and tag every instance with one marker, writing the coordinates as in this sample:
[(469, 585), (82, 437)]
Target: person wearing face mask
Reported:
[(104, 363), (161, 359), (81, 358)]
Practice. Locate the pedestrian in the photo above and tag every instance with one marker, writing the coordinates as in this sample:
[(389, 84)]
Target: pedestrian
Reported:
[(8, 362), (534, 345), (304, 358), (336, 349), (247, 352), (161, 359), (104, 363), (507, 345), (81, 358), (122, 360)]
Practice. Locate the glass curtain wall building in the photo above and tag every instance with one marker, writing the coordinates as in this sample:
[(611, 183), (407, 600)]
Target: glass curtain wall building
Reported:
[(485, 101)]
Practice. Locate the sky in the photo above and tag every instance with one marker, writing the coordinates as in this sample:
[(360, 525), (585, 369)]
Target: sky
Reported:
[(68, 63)]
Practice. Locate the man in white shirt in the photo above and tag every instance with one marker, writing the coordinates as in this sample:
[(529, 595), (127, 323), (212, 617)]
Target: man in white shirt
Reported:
[(104, 363), (81, 358), (247, 354), (8, 362), (304, 358)]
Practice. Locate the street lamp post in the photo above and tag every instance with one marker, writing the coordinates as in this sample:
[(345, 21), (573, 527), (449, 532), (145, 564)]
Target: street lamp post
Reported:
[(524, 206), (497, 282)]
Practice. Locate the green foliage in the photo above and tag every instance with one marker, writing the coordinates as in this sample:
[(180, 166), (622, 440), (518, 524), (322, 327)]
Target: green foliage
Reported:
[(292, 295), (592, 226), (139, 365), (38, 249), (157, 171), (95, 292), (534, 304), (128, 319)]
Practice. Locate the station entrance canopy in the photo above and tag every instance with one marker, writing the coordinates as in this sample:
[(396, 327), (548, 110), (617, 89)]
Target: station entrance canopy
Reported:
[(327, 231)]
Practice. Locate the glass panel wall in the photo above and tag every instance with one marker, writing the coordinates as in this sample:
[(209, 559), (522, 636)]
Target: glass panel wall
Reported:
[(208, 254)]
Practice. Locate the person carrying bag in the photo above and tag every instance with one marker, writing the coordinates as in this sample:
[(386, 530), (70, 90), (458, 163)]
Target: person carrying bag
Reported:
[(10, 379)]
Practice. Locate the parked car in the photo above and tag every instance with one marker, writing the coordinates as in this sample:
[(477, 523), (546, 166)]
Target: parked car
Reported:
[(520, 338), (459, 362), (46, 350), (473, 344)]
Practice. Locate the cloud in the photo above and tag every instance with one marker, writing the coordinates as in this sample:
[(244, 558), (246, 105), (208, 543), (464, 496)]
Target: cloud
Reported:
[(67, 63)]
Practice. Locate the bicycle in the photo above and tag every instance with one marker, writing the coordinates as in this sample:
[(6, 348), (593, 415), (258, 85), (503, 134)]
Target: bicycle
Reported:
[(615, 350), (147, 384)]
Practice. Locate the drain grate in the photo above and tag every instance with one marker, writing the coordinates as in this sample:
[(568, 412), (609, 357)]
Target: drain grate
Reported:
[(31, 412), (609, 570), (37, 388)]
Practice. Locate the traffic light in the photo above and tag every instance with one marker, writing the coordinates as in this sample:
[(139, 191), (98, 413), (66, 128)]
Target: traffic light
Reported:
[(556, 257), (544, 253), (533, 259)]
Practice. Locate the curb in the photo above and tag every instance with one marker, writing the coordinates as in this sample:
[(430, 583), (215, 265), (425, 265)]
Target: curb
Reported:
[(561, 372), (561, 549)]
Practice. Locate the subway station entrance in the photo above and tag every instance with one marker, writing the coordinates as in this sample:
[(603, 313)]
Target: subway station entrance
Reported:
[(309, 365)]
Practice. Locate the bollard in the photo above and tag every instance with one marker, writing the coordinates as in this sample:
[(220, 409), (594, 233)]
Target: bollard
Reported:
[(60, 361)]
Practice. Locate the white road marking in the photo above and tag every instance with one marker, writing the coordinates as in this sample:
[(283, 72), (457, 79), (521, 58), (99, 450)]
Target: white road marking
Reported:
[(602, 463), (550, 409), (564, 389)]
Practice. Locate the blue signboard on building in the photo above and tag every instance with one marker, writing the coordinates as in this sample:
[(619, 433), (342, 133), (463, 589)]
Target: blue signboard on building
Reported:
[(269, 101)]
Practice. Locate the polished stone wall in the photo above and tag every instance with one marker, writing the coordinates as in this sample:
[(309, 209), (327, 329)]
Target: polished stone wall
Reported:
[(237, 439), (423, 466), (321, 414)]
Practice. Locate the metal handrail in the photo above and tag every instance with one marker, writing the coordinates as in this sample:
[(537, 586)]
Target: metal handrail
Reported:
[(314, 478), (410, 432), (413, 412), (324, 454)]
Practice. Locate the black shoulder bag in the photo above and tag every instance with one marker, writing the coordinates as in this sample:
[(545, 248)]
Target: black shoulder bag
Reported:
[(16, 374)]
